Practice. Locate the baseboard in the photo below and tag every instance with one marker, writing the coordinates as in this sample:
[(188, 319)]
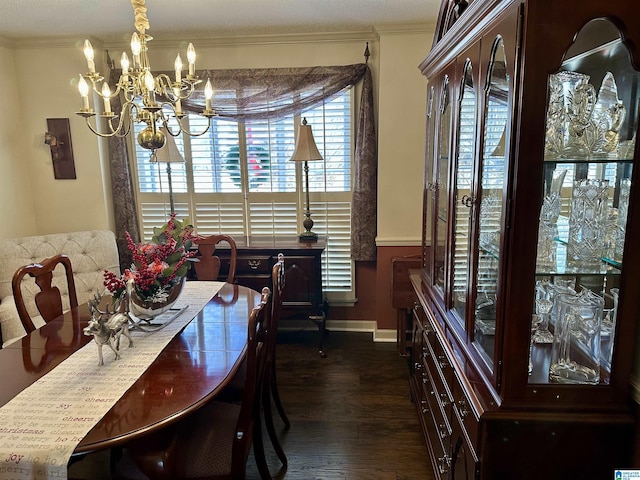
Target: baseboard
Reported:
[(367, 326), (387, 335)]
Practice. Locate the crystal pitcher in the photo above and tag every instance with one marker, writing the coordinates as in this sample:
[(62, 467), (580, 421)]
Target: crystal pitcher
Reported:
[(575, 353), (571, 102)]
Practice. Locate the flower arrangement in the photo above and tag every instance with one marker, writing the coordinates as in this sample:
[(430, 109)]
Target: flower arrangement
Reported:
[(158, 265)]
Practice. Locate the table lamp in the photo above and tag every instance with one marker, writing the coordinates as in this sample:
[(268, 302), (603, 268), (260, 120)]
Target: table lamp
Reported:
[(306, 151), (168, 154)]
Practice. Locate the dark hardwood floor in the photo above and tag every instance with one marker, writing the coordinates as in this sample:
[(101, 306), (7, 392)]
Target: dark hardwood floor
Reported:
[(351, 414)]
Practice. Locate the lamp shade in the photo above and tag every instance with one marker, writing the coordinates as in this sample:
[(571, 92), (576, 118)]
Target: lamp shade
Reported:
[(169, 153), (306, 149)]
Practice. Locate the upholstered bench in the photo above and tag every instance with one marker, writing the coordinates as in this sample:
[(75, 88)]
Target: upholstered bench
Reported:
[(91, 252)]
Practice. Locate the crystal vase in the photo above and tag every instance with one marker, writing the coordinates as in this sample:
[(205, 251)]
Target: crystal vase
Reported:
[(575, 353), (587, 224)]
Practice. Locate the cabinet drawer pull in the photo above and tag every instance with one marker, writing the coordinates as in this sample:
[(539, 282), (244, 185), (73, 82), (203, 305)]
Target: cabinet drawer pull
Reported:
[(444, 399), (442, 430), (443, 361), (425, 406), (443, 464), (463, 408), (254, 264)]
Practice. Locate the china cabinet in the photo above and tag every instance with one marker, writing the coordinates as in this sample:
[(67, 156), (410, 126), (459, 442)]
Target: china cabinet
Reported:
[(528, 293)]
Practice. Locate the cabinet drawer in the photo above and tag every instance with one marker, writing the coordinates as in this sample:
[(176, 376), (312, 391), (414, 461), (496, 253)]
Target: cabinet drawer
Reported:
[(465, 412), (439, 398), (464, 458), (432, 365), (441, 359), (437, 426), (253, 264), (421, 318)]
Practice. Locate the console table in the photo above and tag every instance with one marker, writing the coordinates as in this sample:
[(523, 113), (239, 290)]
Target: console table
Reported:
[(303, 296)]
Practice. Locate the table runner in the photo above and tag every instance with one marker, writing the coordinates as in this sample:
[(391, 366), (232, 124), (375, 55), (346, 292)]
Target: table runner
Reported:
[(42, 425)]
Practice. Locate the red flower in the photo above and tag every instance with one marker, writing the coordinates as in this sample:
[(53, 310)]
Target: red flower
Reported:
[(157, 266)]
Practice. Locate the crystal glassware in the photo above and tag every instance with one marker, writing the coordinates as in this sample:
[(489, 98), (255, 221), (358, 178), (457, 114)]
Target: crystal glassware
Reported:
[(587, 224), (608, 115), (575, 353), (571, 102), (541, 333), (621, 221)]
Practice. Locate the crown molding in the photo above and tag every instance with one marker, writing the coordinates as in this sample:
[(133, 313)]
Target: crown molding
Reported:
[(204, 40), (51, 42), (6, 42), (405, 27), (207, 40)]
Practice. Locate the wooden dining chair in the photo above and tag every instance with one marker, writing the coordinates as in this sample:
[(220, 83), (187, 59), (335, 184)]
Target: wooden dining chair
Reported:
[(48, 300), (278, 286), (207, 263), (215, 441), (270, 390)]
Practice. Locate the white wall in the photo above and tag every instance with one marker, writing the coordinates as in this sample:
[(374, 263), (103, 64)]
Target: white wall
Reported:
[(16, 199), (401, 120), (48, 72)]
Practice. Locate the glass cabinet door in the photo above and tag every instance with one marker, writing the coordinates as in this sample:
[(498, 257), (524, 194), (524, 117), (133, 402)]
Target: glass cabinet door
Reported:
[(442, 184), (427, 211), (591, 121), (463, 193), (493, 175)]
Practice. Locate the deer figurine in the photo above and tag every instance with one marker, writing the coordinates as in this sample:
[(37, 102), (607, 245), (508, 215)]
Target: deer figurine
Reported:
[(107, 327)]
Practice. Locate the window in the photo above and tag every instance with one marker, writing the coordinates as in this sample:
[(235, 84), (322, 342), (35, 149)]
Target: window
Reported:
[(237, 179)]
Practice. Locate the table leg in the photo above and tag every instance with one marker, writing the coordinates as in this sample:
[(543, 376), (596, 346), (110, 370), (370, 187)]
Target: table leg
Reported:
[(321, 323)]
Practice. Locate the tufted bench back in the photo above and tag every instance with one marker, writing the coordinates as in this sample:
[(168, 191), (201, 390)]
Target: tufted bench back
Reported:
[(91, 252)]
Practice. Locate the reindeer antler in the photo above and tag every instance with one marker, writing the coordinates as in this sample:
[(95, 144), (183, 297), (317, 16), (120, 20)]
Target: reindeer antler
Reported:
[(94, 306)]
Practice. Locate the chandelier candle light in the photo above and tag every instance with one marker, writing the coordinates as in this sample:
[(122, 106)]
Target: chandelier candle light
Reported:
[(306, 151), (140, 89)]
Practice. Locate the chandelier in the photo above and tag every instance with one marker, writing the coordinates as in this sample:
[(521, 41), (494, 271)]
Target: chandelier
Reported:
[(152, 100)]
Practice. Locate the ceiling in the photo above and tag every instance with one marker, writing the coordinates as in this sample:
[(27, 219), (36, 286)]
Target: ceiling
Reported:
[(113, 19)]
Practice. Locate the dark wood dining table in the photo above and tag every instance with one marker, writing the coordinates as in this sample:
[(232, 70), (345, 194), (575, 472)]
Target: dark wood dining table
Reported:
[(190, 371)]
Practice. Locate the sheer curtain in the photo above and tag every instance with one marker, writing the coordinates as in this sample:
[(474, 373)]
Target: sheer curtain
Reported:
[(264, 94)]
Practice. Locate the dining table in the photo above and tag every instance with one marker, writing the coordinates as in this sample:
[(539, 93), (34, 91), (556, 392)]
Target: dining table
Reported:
[(193, 367)]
